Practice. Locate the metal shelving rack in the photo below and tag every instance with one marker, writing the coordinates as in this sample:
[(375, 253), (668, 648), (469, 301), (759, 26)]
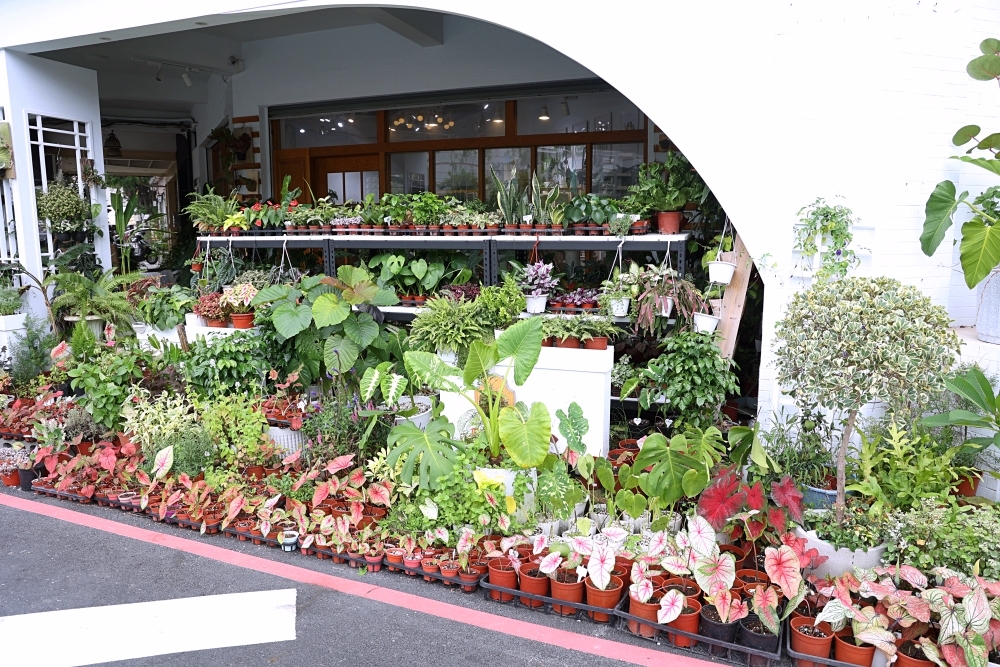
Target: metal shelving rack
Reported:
[(488, 245)]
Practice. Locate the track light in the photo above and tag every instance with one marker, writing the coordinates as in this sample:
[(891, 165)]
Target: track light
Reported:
[(545, 113), (350, 120), (565, 108), (159, 73), (340, 124), (187, 79)]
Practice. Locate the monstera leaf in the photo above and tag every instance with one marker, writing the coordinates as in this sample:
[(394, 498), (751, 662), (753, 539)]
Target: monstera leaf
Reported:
[(526, 433), (434, 449)]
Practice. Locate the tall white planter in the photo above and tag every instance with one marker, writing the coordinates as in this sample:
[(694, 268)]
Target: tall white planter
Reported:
[(10, 325), (667, 307), (988, 319)]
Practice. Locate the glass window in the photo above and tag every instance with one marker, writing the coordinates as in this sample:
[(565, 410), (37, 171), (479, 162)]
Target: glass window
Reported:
[(506, 162), (587, 112), (370, 182), (471, 120), (329, 129), (408, 172), (335, 186), (565, 166), (616, 166), (456, 174)]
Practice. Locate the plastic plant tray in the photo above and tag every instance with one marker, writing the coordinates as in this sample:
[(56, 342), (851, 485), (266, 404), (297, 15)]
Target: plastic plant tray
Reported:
[(546, 608)]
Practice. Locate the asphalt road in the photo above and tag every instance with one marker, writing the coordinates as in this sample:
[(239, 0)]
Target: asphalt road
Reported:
[(49, 564)]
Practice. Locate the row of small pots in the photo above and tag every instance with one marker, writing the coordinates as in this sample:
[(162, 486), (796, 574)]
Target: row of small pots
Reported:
[(595, 343), (580, 229)]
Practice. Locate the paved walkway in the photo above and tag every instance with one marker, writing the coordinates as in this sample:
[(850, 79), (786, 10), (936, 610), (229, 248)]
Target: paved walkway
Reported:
[(56, 555)]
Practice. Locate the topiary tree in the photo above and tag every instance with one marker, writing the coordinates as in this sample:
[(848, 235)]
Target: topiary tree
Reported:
[(849, 342)]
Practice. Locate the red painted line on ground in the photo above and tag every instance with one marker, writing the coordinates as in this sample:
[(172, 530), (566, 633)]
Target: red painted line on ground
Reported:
[(523, 629)]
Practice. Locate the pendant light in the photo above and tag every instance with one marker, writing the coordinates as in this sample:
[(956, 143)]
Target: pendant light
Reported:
[(112, 147), (545, 113)]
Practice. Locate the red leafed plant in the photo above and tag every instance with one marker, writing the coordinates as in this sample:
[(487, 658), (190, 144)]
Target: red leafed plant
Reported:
[(725, 496)]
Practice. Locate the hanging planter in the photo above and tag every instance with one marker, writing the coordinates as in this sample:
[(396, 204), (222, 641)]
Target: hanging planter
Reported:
[(536, 304), (667, 307), (705, 323), (619, 307), (721, 272)]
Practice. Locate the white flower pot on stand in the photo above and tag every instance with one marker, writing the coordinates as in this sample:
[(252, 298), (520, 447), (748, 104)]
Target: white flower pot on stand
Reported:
[(619, 307), (536, 304), (449, 357), (840, 560), (721, 272), (667, 307), (704, 323), (193, 320)]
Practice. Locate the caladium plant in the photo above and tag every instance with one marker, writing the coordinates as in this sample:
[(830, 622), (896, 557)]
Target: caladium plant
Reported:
[(729, 607), (600, 564), (671, 605)]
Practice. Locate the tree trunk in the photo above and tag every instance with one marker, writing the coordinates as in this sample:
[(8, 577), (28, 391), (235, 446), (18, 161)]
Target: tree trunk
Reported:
[(845, 439)]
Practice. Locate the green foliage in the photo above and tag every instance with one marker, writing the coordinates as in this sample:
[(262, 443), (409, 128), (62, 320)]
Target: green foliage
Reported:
[(237, 425), (10, 301), (29, 353), (858, 530), (690, 376), (511, 200), (107, 382), (958, 538), (977, 391), (83, 342), (573, 427), (218, 365), (104, 297), (432, 452), (500, 305), (209, 211), (165, 307), (194, 450), (591, 207), (832, 225), (846, 343), (151, 419), (680, 467), (62, 204), (284, 484), (448, 324), (905, 471), (798, 445), (979, 249), (556, 492), (80, 423)]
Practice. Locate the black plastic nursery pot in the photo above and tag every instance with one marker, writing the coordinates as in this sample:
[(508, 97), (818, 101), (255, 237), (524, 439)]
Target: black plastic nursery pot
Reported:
[(766, 642), (25, 477), (724, 632)]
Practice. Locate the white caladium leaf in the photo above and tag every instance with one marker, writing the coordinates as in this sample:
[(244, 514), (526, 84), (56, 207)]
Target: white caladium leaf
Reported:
[(508, 543), (713, 571), (582, 545), (671, 605), (503, 521), (880, 638), (539, 544), (683, 541), (465, 541), (441, 534), (836, 613), (702, 536), (581, 574), (931, 652), (550, 563), (602, 561), (657, 543), (615, 533), (429, 509), (640, 571), (641, 590), (977, 611), (675, 565), (782, 566), (163, 461)]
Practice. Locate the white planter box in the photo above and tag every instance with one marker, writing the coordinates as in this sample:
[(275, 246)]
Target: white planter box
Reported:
[(10, 324), (561, 376), (840, 560), (705, 323), (619, 307)]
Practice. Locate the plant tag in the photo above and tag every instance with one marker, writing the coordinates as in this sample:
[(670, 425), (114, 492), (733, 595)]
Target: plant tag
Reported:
[(527, 219), (634, 218), (387, 219)]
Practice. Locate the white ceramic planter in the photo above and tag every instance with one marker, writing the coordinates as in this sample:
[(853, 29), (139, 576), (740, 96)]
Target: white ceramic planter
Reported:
[(421, 420), (192, 320), (840, 560), (448, 357), (536, 304), (619, 307), (704, 323), (721, 272), (95, 323), (667, 308)]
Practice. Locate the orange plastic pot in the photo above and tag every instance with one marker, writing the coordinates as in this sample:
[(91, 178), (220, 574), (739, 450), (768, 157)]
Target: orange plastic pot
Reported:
[(903, 660), (845, 650), (242, 320), (968, 487), (668, 222), (646, 610), (502, 574), (569, 591), (817, 646), (535, 584), (688, 623), (607, 598)]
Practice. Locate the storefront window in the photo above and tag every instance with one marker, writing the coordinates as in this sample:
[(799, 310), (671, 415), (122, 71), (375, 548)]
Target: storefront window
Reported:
[(329, 129), (586, 112), (506, 162), (408, 172), (565, 166), (616, 166), (456, 174), (472, 120)]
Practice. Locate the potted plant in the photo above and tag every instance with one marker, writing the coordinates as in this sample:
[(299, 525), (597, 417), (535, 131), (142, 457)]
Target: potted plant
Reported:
[(760, 629), (720, 616), (595, 331), (96, 301), (64, 208), (237, 303), (165, 307), (603, 588), (210, 308), (537, 283), (499, 305), (197, 262), (618, 291), (447, 326)]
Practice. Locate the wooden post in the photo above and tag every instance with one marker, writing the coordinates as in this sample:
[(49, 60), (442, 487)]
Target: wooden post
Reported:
[(734, 300), (182, 336)]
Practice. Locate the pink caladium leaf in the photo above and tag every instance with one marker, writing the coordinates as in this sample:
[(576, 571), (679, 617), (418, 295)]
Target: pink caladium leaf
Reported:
[(977, 611), (880, 638), (722, 600), (307, 541), (491, 499), (657, 543), (162, 462), (953, 655), (600, 565), (142, 477), (765, 605), (340, 463), (508, 543), (777, 519), (343, 526), (671, 606), (682, 541), (185, 480), (320, 494), (466, 540), (574, 561), (441, 534), (357, 512), (106, 459), (992, 587), (272, 501), (265, 527), (782, 566), (712, 571), (351, 493), (356, 478), (378, 495), (503, 522), (702, 536), (614, 533), (87, 491), (640, 571), (755, 496), (484, 519), (291, 458), (992, 636), (582, 545), (913, 576), (550, 563), (787, 495), (956, 587), (931, 652), (299, 482), (676, 565), (738, 609), (540, 543), (641, 591)]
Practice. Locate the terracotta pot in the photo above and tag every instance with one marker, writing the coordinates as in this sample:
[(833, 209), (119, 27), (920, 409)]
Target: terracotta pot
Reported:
[(903, 660), (688, 623), (845, 650), (196, 268), (598, 343), (242, 320), (503, 575), (630, 444), (374, 563), (646, 610), (394, 556), (668, 222), (968, 487), (470, 579), (434, 230), (751, 577), (535, 584), (573, 343), (217, 324), (817, 646), (688, 587), (607, 598), (255, 472), (547, 342), (570, 591), (413, 563), (11, 479)]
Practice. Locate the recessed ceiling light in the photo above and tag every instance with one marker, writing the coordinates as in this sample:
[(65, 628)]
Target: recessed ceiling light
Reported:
[(339, 124), (440, 119), (409, 126), (350, 120), (302, 131), (498, 120), (486, 106), (420, 117), (392, 129)]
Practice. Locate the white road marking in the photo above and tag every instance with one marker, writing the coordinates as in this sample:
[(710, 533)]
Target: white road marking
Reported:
[(93, 635)]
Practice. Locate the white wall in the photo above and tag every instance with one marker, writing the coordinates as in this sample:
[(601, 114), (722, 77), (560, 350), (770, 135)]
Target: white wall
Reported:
[(774, 102)]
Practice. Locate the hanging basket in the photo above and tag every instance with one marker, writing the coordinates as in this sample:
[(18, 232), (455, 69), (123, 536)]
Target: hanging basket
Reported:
[(721, 272), (704, 323)]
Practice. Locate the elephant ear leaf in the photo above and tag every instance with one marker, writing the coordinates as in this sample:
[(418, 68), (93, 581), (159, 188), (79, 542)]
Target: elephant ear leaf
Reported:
[(941, 205), (522, 342), (291, 319), (329, 309), (340, 354), (526, 434)]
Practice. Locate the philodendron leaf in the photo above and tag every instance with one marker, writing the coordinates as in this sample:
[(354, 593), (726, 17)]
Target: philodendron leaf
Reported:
[(330, 309), (630, 503), (291, 319), (339, 354), (979, 251), (526, 434), (361, 329), (941, 205)]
